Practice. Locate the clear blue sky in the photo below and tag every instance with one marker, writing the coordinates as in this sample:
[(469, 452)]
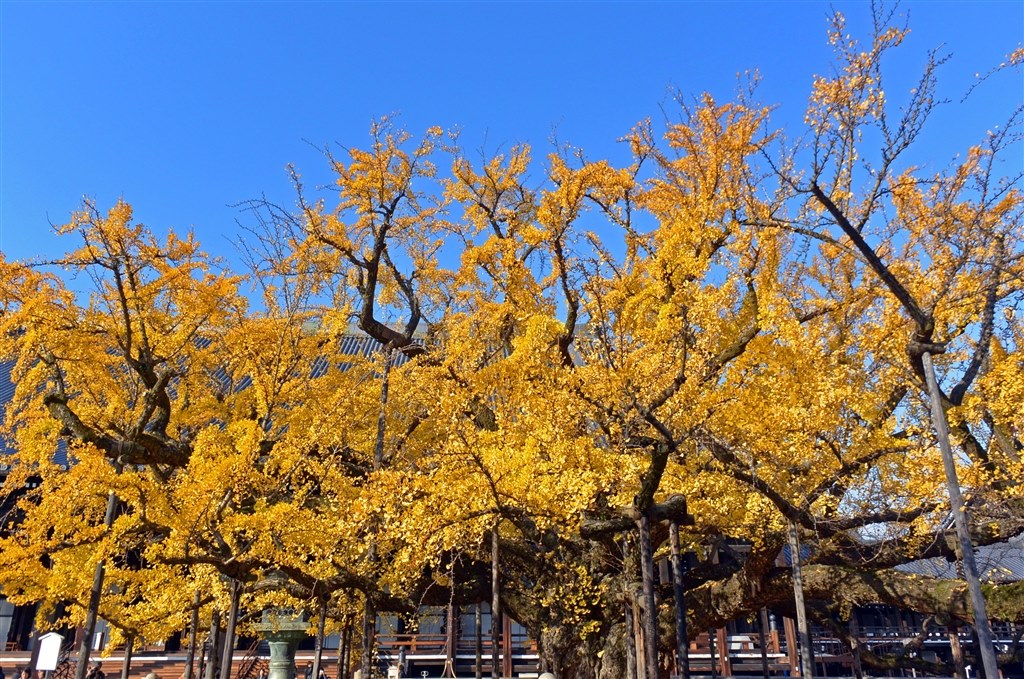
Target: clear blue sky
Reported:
[(184, 108)]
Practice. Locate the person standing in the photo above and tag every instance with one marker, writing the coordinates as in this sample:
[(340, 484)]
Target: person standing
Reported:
[(95, 672)]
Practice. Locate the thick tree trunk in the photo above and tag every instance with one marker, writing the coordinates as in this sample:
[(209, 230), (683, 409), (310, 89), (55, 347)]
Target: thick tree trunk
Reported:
[(193, 632), (649, 608), (986, 647), (682, 641), (229, 633), (318, 653)]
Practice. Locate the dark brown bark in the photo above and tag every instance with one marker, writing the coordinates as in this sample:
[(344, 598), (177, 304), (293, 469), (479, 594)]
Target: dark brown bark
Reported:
[(625, 519)]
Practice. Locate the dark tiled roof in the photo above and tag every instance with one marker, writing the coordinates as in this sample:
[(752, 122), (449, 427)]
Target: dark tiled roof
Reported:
[(6, 396), (353, 344), (1002, 562)]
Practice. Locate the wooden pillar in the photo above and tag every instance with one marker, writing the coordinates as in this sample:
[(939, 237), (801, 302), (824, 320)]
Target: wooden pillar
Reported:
[(92, 611), (229, 633), (451, 628), (506, 646), (806, 649), (193, 634), (342, 669), (211, 645), (126, 662), (366, 660), (638, 641), (986, 646), (678, 595), (762, 642), (722, 641), (495, 604), (858, 670), (318, 652), (712, 643), (479, 648), (649, 609), (630, 635), (789, 629)]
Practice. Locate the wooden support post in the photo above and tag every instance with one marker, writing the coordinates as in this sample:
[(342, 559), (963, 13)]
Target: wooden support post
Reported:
[(762, 642), (630, 635), (722, 640), (126, 662), (789, 629), (479, 648), (858, 670), (193, 635), (318, 652), (342, 669), (495, 605), (712, 643), (986, 646), (92, 611), (638, 641), (682, 642), (211, 645), (806, 650), (229, 633), (649, 609), (366, 661), (450, 631), (506, 646)]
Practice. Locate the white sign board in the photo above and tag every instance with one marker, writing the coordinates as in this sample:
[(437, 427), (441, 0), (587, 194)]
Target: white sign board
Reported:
[(49, 651)]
